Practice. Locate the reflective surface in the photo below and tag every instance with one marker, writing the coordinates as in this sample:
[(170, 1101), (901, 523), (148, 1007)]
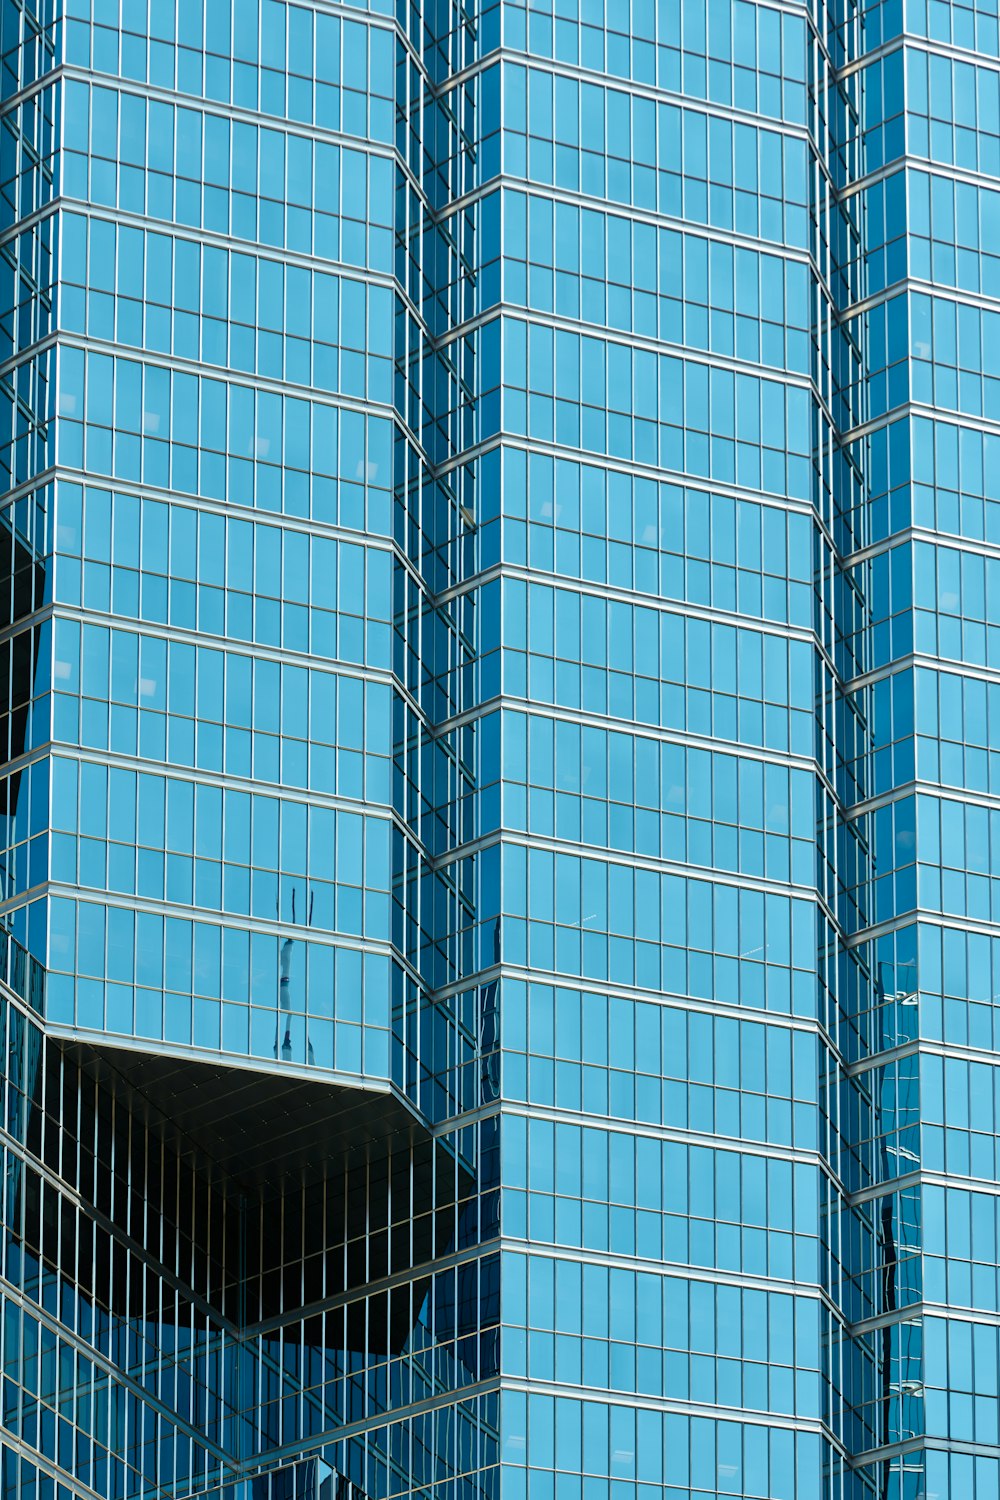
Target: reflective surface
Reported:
[(498, 629)]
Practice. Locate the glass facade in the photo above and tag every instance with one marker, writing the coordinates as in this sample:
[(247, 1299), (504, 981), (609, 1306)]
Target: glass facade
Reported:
[(499, 935)]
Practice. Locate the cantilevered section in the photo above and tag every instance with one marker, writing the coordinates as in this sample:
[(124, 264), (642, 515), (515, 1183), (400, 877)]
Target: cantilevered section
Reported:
[(344, 1187), (262, 1130)]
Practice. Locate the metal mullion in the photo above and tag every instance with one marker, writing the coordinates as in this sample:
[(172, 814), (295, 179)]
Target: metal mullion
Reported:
[(176, 1209), (368, 1273), (134, 1352), (280, 1361), (113, 1168), (346, 1236), (158, 1210)]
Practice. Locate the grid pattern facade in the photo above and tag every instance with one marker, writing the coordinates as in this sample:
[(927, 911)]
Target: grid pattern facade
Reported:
[(499, 644)]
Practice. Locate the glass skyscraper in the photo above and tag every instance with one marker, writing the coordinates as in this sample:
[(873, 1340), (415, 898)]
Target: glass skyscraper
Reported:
[(500, 656)]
